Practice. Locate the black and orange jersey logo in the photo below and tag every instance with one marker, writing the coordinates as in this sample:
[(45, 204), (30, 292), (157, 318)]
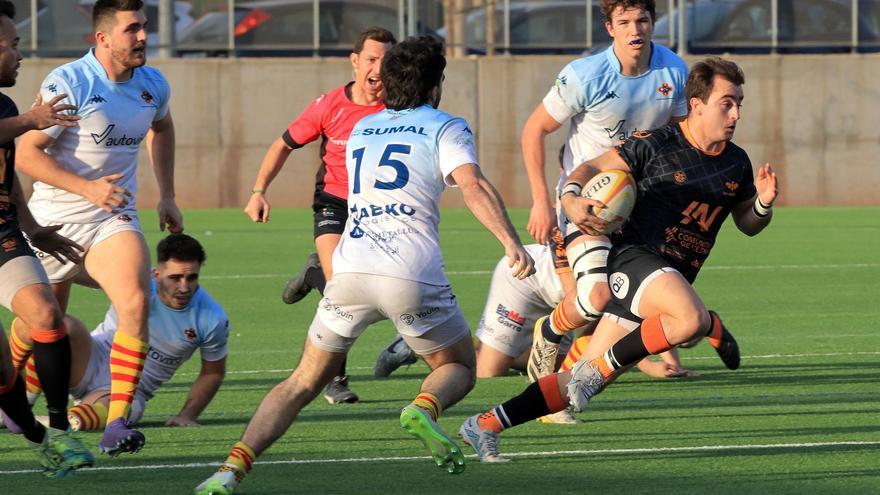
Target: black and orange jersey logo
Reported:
[(147, 97), (680, 177), (9, 244), (641, 134), (664, 89), (190, 333)]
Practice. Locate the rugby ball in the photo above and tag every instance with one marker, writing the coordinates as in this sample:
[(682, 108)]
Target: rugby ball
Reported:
[(616, 190)]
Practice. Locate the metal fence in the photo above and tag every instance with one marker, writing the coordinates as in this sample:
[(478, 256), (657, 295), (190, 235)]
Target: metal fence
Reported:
[(207, 28)]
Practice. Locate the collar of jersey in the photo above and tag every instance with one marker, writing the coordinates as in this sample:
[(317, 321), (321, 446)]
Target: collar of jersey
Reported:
[(92, 60), (615, 64)]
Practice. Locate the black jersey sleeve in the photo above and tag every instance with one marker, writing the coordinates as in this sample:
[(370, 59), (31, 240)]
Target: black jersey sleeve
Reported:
[(637, 151), (747, 189)]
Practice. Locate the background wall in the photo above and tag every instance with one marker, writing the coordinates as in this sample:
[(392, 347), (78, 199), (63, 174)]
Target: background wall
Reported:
[(815, 118)]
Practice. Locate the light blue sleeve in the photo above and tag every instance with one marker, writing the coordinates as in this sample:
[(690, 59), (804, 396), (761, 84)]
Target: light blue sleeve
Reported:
[(164, 99), (567, 97), (214, 345), (679, 105), (53, 85)]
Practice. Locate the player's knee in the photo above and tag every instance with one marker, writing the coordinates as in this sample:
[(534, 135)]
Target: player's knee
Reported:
[(688, 325), (132, 307), (45, 317), (592, 297)]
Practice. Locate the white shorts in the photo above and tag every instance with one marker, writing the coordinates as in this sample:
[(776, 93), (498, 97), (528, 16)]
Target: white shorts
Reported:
[(426, 316), (86, 235), (97, 377)]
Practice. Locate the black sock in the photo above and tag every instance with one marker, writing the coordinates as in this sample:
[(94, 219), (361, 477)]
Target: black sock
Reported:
[(342, 367), (628, 350), (315, 278), (549, 334), (15, 405), (53, 367), (528, 405)]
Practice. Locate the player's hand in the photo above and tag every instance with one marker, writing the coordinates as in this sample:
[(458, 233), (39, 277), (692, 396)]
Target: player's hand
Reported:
[(106, 195), (258, 208), (579, 211), (170, 216), (541, 222), (766, 185), (520, 262), (181, 421), (47, 240), (46, 114)]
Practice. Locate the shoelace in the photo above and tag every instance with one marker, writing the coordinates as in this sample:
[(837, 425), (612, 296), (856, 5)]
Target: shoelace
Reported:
[(490, 440)]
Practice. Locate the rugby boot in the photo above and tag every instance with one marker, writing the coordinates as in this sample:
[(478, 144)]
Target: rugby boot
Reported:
[(727, 348), (394, 356), (586, 381), (484, 442), (297, 287), (337, 391), (119, 437), (447, 455), (542, 358)]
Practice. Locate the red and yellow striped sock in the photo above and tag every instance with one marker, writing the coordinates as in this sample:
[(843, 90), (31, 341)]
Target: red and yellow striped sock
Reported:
[(575, 353), (241, 458), (32, 380), (87, 417), (21, 351), (126, 364), (429, 402), (559, 322)]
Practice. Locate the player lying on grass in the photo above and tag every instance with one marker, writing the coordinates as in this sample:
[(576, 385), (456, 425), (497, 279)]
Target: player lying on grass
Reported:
[(388, 265), (690, 177), (183, 318)]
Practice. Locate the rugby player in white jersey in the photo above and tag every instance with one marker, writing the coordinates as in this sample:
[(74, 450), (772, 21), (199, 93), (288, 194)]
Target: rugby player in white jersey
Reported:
[(183, 318), (388, 264), (634, 85), (86, 182)]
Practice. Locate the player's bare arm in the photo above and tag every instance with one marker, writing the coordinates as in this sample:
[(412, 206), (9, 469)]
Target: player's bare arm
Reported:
[(41, 116), (160, 150), (753, 214), (257, 208), (201, 393), (542, 218), (46, 239), (32, 159), (577, 207), (488, 207)]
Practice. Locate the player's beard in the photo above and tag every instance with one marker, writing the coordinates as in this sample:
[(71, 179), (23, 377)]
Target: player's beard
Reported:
[(129, 58)]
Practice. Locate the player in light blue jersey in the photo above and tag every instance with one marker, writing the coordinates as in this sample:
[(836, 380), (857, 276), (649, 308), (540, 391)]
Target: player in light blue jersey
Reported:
[(86, 183), (388, 263), (633, 86), (183, 318)]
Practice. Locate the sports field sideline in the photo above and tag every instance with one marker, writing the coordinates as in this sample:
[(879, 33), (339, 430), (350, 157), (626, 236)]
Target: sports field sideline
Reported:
[(800, 416)]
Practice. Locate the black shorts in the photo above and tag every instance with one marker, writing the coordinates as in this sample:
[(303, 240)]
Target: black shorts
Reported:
[(330, 214), (13, 244), (630, 270)]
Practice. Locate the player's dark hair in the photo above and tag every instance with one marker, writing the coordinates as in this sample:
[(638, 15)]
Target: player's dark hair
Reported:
[(374, 33), (608, 6), (105, 10), (7, 8), (701, 79), (180, 247), (410, 70)]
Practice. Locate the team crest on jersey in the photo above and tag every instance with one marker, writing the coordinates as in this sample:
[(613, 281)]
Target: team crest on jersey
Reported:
[(730, 188), (664, 89), (9, 244), (680, 177), (641, 134), (190, 333), (124, 218), (147, 97)]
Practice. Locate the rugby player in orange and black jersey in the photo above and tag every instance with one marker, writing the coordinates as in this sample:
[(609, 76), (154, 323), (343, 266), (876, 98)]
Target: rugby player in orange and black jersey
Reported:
[(684, 194)]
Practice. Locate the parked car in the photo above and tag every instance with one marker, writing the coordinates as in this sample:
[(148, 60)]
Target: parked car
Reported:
[(285, 28), (65, 27), (537, 27), (745, 26)]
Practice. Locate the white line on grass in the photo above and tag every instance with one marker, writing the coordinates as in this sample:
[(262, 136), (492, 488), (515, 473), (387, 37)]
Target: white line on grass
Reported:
[(763, 356), (488, 272), (553, 453)]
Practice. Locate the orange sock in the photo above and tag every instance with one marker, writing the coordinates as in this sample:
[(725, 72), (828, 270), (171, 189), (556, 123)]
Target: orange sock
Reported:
[(603, 366), (714, 336), (552, 396), (87, 417), (575, 353), (241, 460), (126, 364), (559, 323), (429, 402), (489, 421), (20, 350)]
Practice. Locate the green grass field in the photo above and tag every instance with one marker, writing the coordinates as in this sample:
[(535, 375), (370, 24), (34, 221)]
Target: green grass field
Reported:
[(802, 415)]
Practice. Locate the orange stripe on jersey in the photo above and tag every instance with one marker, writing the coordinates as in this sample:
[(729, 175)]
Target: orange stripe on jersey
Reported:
[(690, 139)]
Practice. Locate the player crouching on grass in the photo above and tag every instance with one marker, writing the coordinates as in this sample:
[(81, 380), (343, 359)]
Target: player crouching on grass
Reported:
[(690, 177), (388, 264)]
